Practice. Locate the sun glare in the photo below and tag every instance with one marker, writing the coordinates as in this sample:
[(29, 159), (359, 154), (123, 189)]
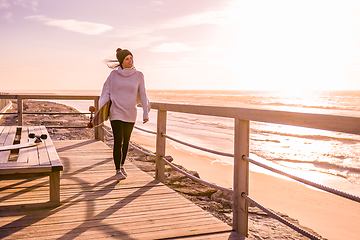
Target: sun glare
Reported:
[(287, 45)]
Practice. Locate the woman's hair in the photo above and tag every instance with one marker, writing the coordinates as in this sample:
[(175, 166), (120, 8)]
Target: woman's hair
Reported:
[(120, 55), (112, 63)]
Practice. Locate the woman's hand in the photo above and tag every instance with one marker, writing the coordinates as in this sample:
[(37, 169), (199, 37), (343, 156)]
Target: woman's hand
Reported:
[(145, 120)]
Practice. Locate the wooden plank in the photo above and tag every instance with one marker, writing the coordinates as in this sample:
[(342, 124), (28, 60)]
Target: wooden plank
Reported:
[(16, 168), (102, 204), (7, 137), (68, 221), (133, 222), (53, 156), (20, 165), (79, 146), (49, 96), (165, 199), (336, 123), (43, 156), (24, 153), (33, 157), (4, 133), (11, 136), (1, 131), (4, 155), (129, 213)]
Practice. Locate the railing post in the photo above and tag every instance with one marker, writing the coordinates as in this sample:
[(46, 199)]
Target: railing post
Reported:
[(20, 110), (160, 146), (99, 131), (241, 176)]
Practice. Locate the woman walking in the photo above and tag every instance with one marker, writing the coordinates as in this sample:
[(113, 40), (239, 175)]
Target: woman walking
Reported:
[(124, 86)]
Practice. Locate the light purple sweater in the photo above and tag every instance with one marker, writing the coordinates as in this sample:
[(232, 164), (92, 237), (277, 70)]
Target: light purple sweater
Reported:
[(124, 87)]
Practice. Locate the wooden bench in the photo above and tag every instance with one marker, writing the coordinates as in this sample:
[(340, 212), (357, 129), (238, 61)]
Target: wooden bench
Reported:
[(34, 162)]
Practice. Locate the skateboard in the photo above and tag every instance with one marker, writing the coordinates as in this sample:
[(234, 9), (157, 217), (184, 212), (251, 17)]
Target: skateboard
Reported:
[(38, 140), (100, 116)]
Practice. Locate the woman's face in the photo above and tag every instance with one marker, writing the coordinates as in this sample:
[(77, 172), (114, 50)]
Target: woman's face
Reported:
[(128, 62)]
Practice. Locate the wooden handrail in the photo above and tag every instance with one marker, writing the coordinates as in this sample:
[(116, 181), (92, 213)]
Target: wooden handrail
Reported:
[(50, 96), (328, 122), (99, 132), (242, 118)]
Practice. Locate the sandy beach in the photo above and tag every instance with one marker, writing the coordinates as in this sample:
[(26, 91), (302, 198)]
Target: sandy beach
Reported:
[(331, 216)]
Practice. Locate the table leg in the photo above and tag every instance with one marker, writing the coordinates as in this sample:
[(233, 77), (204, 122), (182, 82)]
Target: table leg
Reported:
[(55, 187)]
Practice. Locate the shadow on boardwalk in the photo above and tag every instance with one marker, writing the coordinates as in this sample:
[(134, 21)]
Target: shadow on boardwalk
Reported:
[(95, 205)]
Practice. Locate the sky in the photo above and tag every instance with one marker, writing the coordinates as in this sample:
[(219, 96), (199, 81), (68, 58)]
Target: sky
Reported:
[(185, 45)]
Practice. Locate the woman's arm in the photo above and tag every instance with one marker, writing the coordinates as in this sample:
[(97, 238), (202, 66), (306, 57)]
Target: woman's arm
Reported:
[(144, 101), (105, 93)]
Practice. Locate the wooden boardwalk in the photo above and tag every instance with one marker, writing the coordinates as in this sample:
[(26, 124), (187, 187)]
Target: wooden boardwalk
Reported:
[(95, 206)]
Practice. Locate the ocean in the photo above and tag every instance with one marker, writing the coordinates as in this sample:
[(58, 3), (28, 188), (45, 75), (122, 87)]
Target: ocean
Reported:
[(325, 157)]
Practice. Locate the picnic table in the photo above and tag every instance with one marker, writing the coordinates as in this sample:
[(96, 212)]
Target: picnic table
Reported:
[(34, 162)]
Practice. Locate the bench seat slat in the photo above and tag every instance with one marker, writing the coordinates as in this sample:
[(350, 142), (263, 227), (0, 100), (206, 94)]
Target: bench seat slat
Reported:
[(7, 138), (43, 156), (33, 153), (24, 153), (3, 134), (51, 151)]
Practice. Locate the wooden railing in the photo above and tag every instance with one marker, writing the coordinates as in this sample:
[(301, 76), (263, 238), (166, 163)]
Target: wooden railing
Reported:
[(242, 118), (99, 132)]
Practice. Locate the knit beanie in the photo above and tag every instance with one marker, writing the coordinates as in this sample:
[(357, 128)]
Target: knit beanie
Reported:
[(121, 54)]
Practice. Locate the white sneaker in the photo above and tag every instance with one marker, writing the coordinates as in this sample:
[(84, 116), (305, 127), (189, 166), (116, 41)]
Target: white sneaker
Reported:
[(122, 169), (120, 176)]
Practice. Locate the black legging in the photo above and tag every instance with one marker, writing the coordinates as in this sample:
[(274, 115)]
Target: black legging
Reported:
[(122, 131)]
